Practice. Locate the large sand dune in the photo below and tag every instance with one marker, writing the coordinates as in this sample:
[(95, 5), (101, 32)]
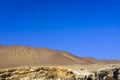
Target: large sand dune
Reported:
[(15, 56)]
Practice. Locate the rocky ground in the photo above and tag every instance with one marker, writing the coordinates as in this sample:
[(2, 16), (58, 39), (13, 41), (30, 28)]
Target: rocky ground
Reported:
[(61, 73), (37, 73)]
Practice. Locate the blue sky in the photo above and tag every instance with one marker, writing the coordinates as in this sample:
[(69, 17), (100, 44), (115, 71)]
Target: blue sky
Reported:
[(82, 27)]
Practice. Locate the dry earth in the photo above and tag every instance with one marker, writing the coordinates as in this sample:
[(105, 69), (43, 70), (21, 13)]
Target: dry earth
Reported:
[(27, 63), (16, 56), (60, 73)]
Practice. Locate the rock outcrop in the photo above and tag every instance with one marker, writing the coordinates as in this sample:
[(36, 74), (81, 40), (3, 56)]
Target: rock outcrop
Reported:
[(110, 72), (41, 73)]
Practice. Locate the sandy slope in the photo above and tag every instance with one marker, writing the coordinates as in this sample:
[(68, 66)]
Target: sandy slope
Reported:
[(15, 56)]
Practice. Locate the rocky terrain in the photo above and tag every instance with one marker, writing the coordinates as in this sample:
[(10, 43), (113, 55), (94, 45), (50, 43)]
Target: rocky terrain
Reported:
[(59, 73), (37, 73)]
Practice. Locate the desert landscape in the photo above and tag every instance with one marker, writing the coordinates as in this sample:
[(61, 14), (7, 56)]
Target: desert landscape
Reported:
[(27, 63), (59, 39)]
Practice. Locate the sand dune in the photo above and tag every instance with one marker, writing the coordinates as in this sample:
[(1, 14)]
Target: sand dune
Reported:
[(14, 56)]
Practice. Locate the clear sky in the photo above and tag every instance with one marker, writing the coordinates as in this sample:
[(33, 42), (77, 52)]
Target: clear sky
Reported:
[(82, 27)]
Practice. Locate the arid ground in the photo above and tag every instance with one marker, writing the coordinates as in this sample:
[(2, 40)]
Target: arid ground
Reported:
[(19, 60), (16, 56)]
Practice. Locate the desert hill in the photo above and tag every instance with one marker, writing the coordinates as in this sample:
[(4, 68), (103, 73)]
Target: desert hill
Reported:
[(14, 56)]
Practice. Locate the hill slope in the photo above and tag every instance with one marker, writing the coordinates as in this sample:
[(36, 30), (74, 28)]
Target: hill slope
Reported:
[(19, 55)]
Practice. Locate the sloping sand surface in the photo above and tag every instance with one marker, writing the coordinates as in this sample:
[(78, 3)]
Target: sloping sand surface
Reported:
[(15, 56)]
